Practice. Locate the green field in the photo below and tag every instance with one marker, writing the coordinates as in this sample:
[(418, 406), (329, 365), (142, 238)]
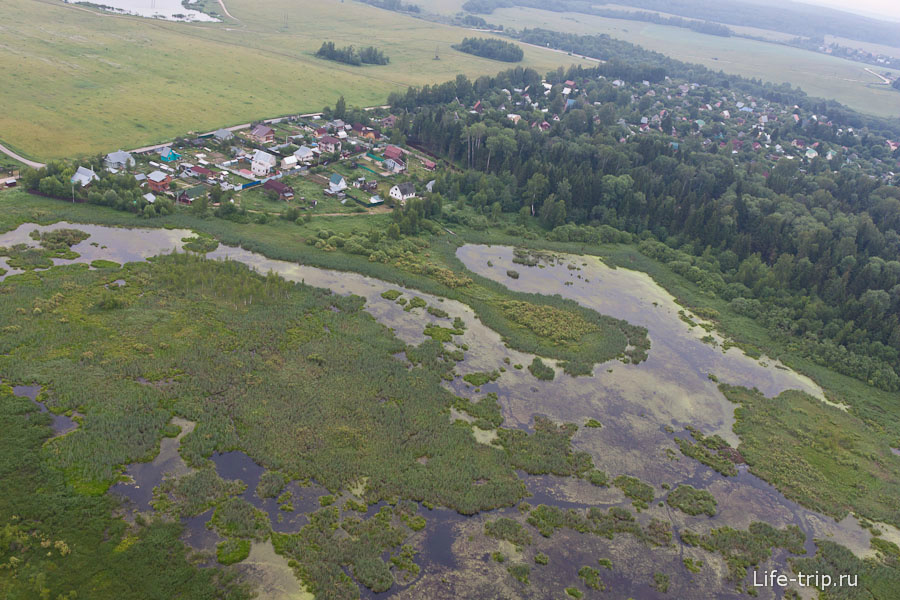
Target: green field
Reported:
[(816, 74), (81, 82)]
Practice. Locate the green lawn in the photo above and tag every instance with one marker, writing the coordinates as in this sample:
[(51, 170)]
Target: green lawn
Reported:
[(80, 82)]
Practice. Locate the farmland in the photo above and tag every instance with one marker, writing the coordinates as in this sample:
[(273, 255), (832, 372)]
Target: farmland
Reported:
[(816, 74), (88, 82)]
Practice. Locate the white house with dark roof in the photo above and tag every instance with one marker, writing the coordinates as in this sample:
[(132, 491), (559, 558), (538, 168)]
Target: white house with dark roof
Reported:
[(262, 163), (403, 191), (337, 183)]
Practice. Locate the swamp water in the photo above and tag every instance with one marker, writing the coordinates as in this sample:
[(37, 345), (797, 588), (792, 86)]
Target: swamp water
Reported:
[(635, 403), (170, 10)]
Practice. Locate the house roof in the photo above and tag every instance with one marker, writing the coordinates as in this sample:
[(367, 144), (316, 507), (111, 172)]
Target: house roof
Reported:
[(261, 156), (328, 139), (84, 176), (261, 131), (393, 152), (120, 157), (194, 192), (279, 187), (336, 179), (303, 151), (223, 134), (201, 171), (150, 198), (407, 189), (157, 176)]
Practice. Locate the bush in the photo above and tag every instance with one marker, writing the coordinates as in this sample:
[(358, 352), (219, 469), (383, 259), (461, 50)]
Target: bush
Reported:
[(540, 370), (232, 551)]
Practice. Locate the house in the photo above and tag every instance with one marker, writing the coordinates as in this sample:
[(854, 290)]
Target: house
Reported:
[(168, 155), (478, 108), (158, 181), (394, 165), (429, 165), (149, 198), (393, 152), (189, 195), (337, 183), (329, 144), (223, 135), (305, 154), (289, 162), (262, 163), (200, 173), (140, 178), (263, 134), (403, 191), (371, 134), (84, 176), (285, 192), (389, 121), (116, 161)]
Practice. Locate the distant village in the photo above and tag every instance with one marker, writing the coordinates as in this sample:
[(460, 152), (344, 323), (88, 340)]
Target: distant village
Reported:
[(733, 122), (310, 162)]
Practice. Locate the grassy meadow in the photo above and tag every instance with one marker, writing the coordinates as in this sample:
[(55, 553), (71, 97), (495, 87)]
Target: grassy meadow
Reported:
[(84, 82), (816, 74)]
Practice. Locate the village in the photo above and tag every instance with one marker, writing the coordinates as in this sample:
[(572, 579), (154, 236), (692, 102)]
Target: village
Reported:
[(307, 163)]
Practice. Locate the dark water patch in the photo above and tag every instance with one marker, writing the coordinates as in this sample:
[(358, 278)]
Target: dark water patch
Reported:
[(145, 477), (31, 392), (303, 499), (198, 535), (441, 530), (61, 424)]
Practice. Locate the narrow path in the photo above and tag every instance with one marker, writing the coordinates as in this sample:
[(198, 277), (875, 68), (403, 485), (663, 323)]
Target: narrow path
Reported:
[(227, 14), (883, 79), (21, 159)]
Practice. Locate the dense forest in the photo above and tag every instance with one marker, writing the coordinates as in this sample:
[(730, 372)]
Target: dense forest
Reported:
[(809, 249), (491, 48), (787, 17), (370, 55)]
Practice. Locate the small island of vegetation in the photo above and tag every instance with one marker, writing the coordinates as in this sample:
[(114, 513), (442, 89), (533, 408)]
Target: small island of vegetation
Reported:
[(370, 55), (491, 48)]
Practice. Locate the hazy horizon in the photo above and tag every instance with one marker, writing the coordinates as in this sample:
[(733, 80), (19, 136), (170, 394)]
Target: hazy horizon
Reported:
[(888, 10)]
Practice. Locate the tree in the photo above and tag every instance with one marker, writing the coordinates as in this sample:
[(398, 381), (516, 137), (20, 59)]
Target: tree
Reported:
[(340, 108), (536, 190)]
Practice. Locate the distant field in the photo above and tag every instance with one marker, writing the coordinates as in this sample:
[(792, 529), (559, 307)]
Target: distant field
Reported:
[(817, 74), (78, 82)]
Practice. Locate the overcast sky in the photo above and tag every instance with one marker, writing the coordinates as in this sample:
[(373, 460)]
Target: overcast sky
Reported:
[(884, 9)]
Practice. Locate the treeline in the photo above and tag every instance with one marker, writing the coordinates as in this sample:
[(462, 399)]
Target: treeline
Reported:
[(705, 27), (395, 5), (787, 17), (811, 253), (491, 48), (370, 55)]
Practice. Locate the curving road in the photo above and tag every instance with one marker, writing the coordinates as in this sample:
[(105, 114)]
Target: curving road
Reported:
[(21, 159)]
